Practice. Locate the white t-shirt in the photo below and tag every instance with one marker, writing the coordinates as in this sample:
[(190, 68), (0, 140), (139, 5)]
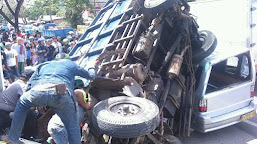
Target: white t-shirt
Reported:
[(11, 57)]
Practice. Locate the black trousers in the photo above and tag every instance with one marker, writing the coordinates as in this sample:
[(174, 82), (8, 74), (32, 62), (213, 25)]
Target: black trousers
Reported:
[(5, 120)]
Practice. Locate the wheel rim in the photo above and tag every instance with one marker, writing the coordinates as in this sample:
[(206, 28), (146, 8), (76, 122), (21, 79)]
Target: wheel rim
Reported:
[(125, 109)]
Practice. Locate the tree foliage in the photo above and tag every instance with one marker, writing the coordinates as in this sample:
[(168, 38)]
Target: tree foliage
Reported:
[(41, 7), (10, 9), (74, 10)]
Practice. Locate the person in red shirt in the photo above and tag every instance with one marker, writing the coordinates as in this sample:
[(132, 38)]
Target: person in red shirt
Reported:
[(19, 34)]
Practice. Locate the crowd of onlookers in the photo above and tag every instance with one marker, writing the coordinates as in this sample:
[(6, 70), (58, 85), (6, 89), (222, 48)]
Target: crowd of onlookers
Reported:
[(22, 49)]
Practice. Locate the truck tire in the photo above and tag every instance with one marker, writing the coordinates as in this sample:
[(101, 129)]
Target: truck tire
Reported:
[(209, 43), (171, 140), (125, 117), (158, 6)]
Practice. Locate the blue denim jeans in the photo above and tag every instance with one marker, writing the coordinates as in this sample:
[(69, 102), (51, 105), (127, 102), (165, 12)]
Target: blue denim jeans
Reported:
[(57, 129), (63, 105), (14, 71)]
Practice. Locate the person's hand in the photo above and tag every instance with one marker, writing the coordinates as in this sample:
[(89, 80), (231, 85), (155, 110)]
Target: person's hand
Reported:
[(45, 55), (44, 50), (16, 66), (3, 68), (42, 110), (9, 68), (89, 105)]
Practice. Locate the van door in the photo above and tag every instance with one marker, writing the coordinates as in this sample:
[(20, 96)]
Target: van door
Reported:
[(230, 85)]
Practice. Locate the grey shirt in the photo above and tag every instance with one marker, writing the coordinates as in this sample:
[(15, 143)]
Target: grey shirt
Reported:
[(11, 95)]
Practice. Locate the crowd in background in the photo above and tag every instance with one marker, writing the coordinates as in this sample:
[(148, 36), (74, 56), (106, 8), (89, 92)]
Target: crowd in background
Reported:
[(19, 50)]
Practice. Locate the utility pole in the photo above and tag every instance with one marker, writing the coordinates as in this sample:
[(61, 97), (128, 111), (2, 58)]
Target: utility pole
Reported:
[(1, 76)]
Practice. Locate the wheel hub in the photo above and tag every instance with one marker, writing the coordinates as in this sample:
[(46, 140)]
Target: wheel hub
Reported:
[(125, 109)]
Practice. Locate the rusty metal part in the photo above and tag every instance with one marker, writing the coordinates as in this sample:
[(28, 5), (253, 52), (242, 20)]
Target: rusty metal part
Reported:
[(144, 46), (175, 66), (152, 138), (170, 52), (136, 71), (164, 96)]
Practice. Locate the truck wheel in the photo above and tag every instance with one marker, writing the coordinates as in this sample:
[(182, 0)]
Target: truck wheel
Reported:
[(208, 42), (125, 117), (170, 139), (158, 6)]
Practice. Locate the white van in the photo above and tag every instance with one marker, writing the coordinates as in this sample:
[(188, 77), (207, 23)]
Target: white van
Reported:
[(226, 79)]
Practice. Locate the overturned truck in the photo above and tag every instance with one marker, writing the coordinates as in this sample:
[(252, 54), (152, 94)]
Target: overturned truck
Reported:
[(144, 52)]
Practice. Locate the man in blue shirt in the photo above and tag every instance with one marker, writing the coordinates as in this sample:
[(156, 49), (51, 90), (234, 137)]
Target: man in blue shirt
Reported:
[(41, 51), (52, 85)]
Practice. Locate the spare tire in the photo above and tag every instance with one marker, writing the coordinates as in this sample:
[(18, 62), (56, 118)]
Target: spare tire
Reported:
[(158, 6), (208, 44), (125, 117)]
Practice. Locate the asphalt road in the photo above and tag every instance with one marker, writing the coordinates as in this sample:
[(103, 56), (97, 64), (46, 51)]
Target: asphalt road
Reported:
[(241, 133)]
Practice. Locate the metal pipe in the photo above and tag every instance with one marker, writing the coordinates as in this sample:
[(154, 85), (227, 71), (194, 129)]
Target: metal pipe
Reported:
[(170, 52), (165, 95)]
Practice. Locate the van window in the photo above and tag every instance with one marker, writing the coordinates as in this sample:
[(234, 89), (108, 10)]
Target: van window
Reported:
[(231, 71)]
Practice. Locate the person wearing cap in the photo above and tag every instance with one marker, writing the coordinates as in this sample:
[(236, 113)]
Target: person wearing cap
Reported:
[(51, 52), (72, 45), (21, 50), (41, 51), (65, 46), (31, 39), (57, 45), (4, 67), (52, 85), (12, 61), (10, 96)]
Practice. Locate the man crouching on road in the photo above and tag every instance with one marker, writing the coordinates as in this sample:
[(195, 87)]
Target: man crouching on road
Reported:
[(52, 85), (56, 129)]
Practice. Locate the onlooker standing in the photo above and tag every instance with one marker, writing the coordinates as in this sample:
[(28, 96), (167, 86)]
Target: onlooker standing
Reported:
[(72, 45), (12, 61), (19, 34), (4, 66), (29, 54), (34, 58), (21, 50), (65, 46), (57, 45), (41, 51), (5, 36), (14, 40), (51, 50), (31, 39)]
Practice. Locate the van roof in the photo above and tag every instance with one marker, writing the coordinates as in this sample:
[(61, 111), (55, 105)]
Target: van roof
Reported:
[(225, 50)]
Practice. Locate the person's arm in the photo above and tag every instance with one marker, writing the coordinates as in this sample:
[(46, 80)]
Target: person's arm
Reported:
[(80, 100), (16, 57), (39, 51), (90, 74)]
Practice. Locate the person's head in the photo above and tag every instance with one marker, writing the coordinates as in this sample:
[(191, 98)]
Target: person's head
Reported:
[(19, 32), (41, 42), (55, 39), (8, 45), (59, 38), (61, 56), (14, 39), (26, 44), (31, 38), (36, 42), (48, 42), (66, 41), (19, 40), (26, 74), (32, 45), (38, 35), (71, 33), (72, 44)]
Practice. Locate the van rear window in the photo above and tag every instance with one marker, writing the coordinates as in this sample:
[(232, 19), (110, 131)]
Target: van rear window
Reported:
[(231, 71)]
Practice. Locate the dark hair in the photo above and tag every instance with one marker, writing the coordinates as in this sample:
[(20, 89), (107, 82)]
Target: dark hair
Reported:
[(26, 74)]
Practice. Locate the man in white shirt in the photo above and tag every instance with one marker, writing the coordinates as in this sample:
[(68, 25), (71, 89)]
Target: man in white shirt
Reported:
[(57, 45), (21, 50), (12, 61)]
